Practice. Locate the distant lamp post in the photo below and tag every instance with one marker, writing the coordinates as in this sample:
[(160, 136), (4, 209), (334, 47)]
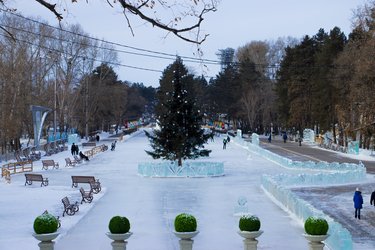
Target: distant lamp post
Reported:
[(87, 100), (54, 113)]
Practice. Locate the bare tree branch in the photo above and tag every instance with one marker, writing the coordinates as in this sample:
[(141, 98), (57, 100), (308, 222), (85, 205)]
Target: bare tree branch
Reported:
[(136, 11), (51, 8), (1, 27)]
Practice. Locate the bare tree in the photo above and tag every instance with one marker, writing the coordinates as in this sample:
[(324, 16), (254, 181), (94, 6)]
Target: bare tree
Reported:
[(167, 15)]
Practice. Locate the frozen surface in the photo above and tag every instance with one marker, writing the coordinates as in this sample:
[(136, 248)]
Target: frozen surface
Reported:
[(151, 204)]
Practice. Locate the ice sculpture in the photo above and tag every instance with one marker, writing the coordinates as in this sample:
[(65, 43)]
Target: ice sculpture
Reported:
[(239, 133), (255, 139), (241, 208), (353, 147), (188, 169), (249, 156), (72, 138), (308, 136)]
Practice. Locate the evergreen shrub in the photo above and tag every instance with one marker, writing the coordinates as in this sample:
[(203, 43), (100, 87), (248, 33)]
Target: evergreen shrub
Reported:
[(249, 223), (316, 226), (45, 223), (119, 225), (185, 223)]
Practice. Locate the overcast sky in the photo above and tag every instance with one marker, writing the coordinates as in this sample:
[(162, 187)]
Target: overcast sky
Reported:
[(234, 24)]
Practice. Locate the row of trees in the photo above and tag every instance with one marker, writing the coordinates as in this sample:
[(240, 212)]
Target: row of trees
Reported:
[(242, 93), (44, 63), (324, 82), (327, 81)]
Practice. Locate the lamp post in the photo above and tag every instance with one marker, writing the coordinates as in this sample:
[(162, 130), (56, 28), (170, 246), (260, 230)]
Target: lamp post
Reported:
[(54, 113), (87, 102)]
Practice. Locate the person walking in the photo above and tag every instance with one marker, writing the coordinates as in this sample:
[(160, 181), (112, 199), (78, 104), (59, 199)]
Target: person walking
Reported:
[(269, 138), (113, 146), (285, 137), (224, 144), (358, 201), (372, 198), (77, 149), (73, 149)]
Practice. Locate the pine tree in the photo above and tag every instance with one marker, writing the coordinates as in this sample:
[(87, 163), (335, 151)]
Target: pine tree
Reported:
[(180, 136)]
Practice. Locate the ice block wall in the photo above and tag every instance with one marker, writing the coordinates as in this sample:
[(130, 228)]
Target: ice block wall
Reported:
[(334, 173), (188, 169), (340, 237), (347, 172)]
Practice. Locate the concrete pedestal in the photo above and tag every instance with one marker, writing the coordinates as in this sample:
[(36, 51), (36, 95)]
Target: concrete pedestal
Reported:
[(316, 246), (316, 241), (119, 245), (46, 245), (186, 244), (46, 242), (119, 240), (250, 244)]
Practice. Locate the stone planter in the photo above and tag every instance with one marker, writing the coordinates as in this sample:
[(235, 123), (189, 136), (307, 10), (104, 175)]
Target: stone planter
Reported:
[(250, 243), (119, 242), (316, 241), (186, 243), (46, 240)]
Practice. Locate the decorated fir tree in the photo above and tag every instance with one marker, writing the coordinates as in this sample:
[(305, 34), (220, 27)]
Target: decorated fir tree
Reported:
[(180, 136)]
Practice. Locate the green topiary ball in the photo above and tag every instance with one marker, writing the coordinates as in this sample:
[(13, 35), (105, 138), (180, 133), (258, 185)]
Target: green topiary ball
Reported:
[(316, 226), (119, 225), (185, 223), (45, 224), (249, 223)]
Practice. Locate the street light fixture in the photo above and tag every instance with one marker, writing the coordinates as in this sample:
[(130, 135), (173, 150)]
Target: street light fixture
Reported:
[(54, 113), (87, 101)]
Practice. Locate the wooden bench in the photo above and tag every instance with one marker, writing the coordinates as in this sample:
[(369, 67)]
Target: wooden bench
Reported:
[(36, 177), (88, 144), (86, 195), (94, 184), (50, 163), (57, 218), (69, 209), (77, 159), (69, 163)]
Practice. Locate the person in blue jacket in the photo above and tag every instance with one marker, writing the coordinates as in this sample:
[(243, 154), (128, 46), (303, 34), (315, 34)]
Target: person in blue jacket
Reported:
[(358, 201)]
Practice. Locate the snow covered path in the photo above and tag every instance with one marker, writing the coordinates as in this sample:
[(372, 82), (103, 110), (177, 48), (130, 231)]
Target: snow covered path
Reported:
[(150, 204)]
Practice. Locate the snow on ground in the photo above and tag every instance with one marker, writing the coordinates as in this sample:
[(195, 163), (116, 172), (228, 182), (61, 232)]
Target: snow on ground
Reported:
[(150, 204)]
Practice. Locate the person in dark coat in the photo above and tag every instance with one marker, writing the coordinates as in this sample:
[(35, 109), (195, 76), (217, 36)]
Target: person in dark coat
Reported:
[(224, 144), (358, 201), (113, 146), (73, 149), (269, 138), (77, 149), (372, 198), (83, 156), (285, 137)]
